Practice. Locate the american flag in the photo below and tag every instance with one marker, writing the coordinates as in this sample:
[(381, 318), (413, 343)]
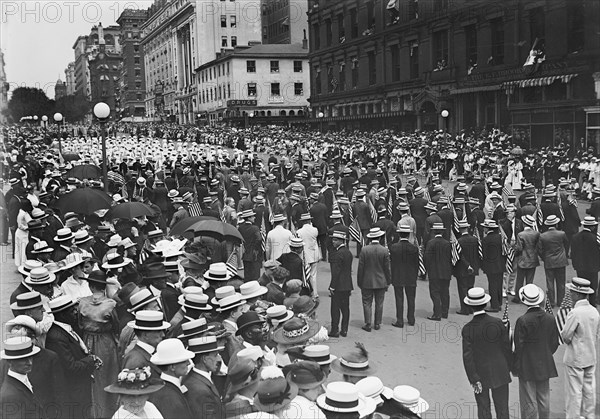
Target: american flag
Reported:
[(507, 251), (390, 206), (422, 271), (456, 249), (116, 177), (194, 209), (232, 263), (506, 322), (222, 216), (507, 190), (560, 208), (351, 209), (306, 271), (373, 211), (548, 306), (355, 231), (561, 315), (263, 233), (540, 216), (479, 246), (426, 194)]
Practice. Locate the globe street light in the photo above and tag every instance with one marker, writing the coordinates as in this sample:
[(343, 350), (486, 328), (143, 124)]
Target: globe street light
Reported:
[(321, 115), (102, 112), (445, 114), (45, 124), (58, 118)]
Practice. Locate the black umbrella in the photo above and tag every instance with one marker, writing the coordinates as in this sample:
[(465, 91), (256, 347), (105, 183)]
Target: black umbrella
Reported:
[(130, 210), (84, 201), (180, 228), (216, 229), (71, 157), (85, 171)]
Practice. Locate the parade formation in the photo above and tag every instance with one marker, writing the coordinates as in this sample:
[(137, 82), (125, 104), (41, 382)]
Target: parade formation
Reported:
[(188, 284)]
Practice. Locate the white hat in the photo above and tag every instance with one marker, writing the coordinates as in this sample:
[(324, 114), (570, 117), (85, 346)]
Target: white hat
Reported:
[(411, 398), (476, 297), (531, 295), (373, 387), (171, 351), (252, 289), (18, 347), (149, 320)]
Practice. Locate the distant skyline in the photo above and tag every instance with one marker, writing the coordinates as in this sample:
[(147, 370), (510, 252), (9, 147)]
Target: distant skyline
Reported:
[(37, 36)]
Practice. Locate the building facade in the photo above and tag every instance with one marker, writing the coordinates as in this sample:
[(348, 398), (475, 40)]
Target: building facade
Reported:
[(526, 66), (70, 78), (105, 68), (260, 83), (284, 21), (132, 81), (4, 87), (60, 89)]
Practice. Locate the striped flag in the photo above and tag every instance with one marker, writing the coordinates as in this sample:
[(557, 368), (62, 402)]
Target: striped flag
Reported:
[(456, 249), (306, 271), (479, 246), (506, 322), (507, 251), (222, 216), (561, 315), (373, 211), (426, 194), (390, 206), (548, 307), (232, 263), (560, 208), (536, 217), (598, 237), (540, 216), (422, 271), (335, 205), (351, 208), (507, 190), (194, 209), (486, 187), (355, 231), (263, 234)]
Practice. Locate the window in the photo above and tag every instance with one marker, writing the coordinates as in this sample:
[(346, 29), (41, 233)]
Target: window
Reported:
[(316, 36), (342, 75), (250, 66), (228, 91), (138, 72), (318, 80), (328, 31), (297, 66), (371, 14), (575, 26), (497, 27), (223, 41), (413, 9), (136, 48), (372, 69), (233, 21), (341, 29), (440, 49), (251, 89), (354, 72), (395, 49), (138, 96), (223, 21), (471, 47), (136, 60), (413, 59), (234, 41), (354, 23), (274, 66), (298, 89), (537, 28), (275, 89)]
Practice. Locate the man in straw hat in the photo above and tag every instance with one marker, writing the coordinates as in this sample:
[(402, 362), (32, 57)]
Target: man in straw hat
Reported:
[(468, 265), (486, 356), (340, 287), (527, 248), (580, 334), (493, 263), (373, 278), (586, 255), (404, 257), (342, 399), (438, 263), (202, 395), (253, 254), (17, 397), (277, 238), (536, 341), (553, 251)]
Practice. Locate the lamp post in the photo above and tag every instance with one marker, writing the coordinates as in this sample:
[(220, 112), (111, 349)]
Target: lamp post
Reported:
[(102, 112), (45, 125), (445, 114), (321, 115), (58, 118)]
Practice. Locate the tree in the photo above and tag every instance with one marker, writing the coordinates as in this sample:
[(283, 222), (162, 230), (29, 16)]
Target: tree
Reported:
[(29, 101), (73, 107)]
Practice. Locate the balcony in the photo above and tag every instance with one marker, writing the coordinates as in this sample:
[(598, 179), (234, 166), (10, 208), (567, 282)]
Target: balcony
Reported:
[(447, 74), (275, 99)]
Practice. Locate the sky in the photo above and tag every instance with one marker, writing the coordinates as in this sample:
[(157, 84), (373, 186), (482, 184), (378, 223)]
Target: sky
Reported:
[(37, 37)]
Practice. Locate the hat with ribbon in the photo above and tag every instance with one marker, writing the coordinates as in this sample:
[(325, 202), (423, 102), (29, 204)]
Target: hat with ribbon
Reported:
[(204, 345), (411, 398), (40, 276), (373, 388), (27, 300), (61, 303), (528, 219), (296, 330), (149, 320), (589, 222), (580, 285), (135, 382), (477, 297), (343, 397), (230, 302), (531, 295), (375, 233), (194, 328), (19, 347), (217, 272), (252, 289), (321, 354), (223, 292), (195, 301), (28, 265), (355, 363), (42, 247), (115, 260), (63, 235), (248, 319), (274, 392), (278, 314), (81, 236), (141, 298)]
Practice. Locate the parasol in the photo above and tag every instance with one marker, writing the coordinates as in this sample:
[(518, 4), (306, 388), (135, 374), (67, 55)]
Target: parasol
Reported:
[(71, 157), (84, 201), (216, 229), (129, 211), (180, 228), (85, 171)]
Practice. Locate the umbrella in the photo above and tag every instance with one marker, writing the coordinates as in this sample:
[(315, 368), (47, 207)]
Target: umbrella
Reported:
[(180, 228), (85, 171), (71, 157), (216, 229), (84, 201), (129, 210)]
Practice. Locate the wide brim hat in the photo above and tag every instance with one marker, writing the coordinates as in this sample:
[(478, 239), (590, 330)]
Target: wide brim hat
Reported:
[(418, 405), (531, 295), (375, 233), (248, 319), (589, 222), (282, 336), (258, 290), (77, 260), (28, 266), (291, 393), (18, 347), (477, 297), (27, 301), (144, 321), (431, 206), (205, 345), (361, 405), (580, 285), (109, 265), (47, 278), (58, 238), (353, 369), (551, 220), (117, 389)]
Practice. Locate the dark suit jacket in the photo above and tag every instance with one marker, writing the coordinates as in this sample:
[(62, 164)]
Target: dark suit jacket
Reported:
[(552, 248), (363, 215), (139, 358), (17, 402), (550, 208), (275, 293), (438, 258), (572, 220), (374, 271), (469, 256), (505, 224), (584, 252), (418, 212), (77, 367), (478, 191), (486, 351), (447, 219), (319, 214), (404, 257), (536, 341), (340, 261), (493, 261), (429, 222), (171, 402), (293, 263), (594, 209), (168, 298), (203, 397), (389, 227), (252, 242)]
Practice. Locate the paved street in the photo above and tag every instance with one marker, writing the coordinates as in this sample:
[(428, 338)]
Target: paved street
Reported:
[(427, 356)]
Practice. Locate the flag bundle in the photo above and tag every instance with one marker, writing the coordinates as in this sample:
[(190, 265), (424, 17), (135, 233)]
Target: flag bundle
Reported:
[(479, 246), (507, 251), (421, 262), (263, 233), (456, 249), (507, 190), (561, 316), (355, 231), (194, 209), (232, 263), (390, 205), (373, 211)]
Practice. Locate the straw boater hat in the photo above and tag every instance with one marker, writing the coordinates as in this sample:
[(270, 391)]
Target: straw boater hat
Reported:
[(476, 297), (135, 382), (61, 303), (223, 292), (204, 345), (194, 328), (589, 222), (375, 233), (81, 236), (531, 295), (279, 314), (438, 226), (140, 299), (194, 301), (296, 242), (580, 285), (217, 272), (373, 388), (19, 347), (431, 206), (528, 219), (274, 392), (319, 353), (551, 220), (230, 302), (63, 235), (296, 330), (343, 397), (354, 363), (40, 276), (42, 247), (115, 260), (171, 351), (252, 289), (277, 218), (489, 224), (28, 265), (411, 398), (72, 260), (27, 300), (149, 320)]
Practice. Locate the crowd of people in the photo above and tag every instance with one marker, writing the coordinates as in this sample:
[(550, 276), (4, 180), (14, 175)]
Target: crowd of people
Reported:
[(190, 287)]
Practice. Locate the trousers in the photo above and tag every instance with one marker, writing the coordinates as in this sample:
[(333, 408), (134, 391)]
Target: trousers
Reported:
[(340, 307), (534, 399), (555, 276), (439, 291), (484, 406), (580, 389), (410, 293), (495, 289), (367, 302), (523, 274), (464, 283)]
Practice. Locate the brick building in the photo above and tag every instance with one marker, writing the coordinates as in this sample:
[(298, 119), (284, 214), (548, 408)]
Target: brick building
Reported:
[(398, 64)]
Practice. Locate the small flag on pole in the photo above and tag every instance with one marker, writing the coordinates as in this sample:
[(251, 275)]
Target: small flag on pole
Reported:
[(232, 263), (479, 246), (355, 231), (561, 315), (548, 307), (195, 210), (456, 249), (422, 271), (263, 234), (373, 211), (507, 251)]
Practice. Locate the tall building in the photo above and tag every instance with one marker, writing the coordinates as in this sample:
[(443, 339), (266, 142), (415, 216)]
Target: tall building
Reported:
[(60, 89), (132, 83), (4, 87), (70, 78), (522, 65), (262, 83), (284, 21), (104, 70)]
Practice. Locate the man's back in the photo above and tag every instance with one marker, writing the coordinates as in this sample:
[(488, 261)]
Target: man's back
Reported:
[(581, 333)]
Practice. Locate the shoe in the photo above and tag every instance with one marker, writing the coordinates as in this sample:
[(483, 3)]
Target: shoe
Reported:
[(445, 316), (366, 328), (435, 319), (398, 325), (343, 334), (503, 294), (333, 334), (377, 327), (462, 313), (492, 310)]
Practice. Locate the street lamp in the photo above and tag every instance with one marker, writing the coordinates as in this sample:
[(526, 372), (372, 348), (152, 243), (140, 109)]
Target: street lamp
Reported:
[(321, 115), (45, 125), (102, 112), (445, 114), (58, 118)]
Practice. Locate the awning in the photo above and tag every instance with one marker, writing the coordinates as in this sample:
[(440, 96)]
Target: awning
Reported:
[(539, 81), (475, 89)]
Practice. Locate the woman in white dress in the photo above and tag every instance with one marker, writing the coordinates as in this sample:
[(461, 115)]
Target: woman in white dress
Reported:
[(134, 388), (22, 234)]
